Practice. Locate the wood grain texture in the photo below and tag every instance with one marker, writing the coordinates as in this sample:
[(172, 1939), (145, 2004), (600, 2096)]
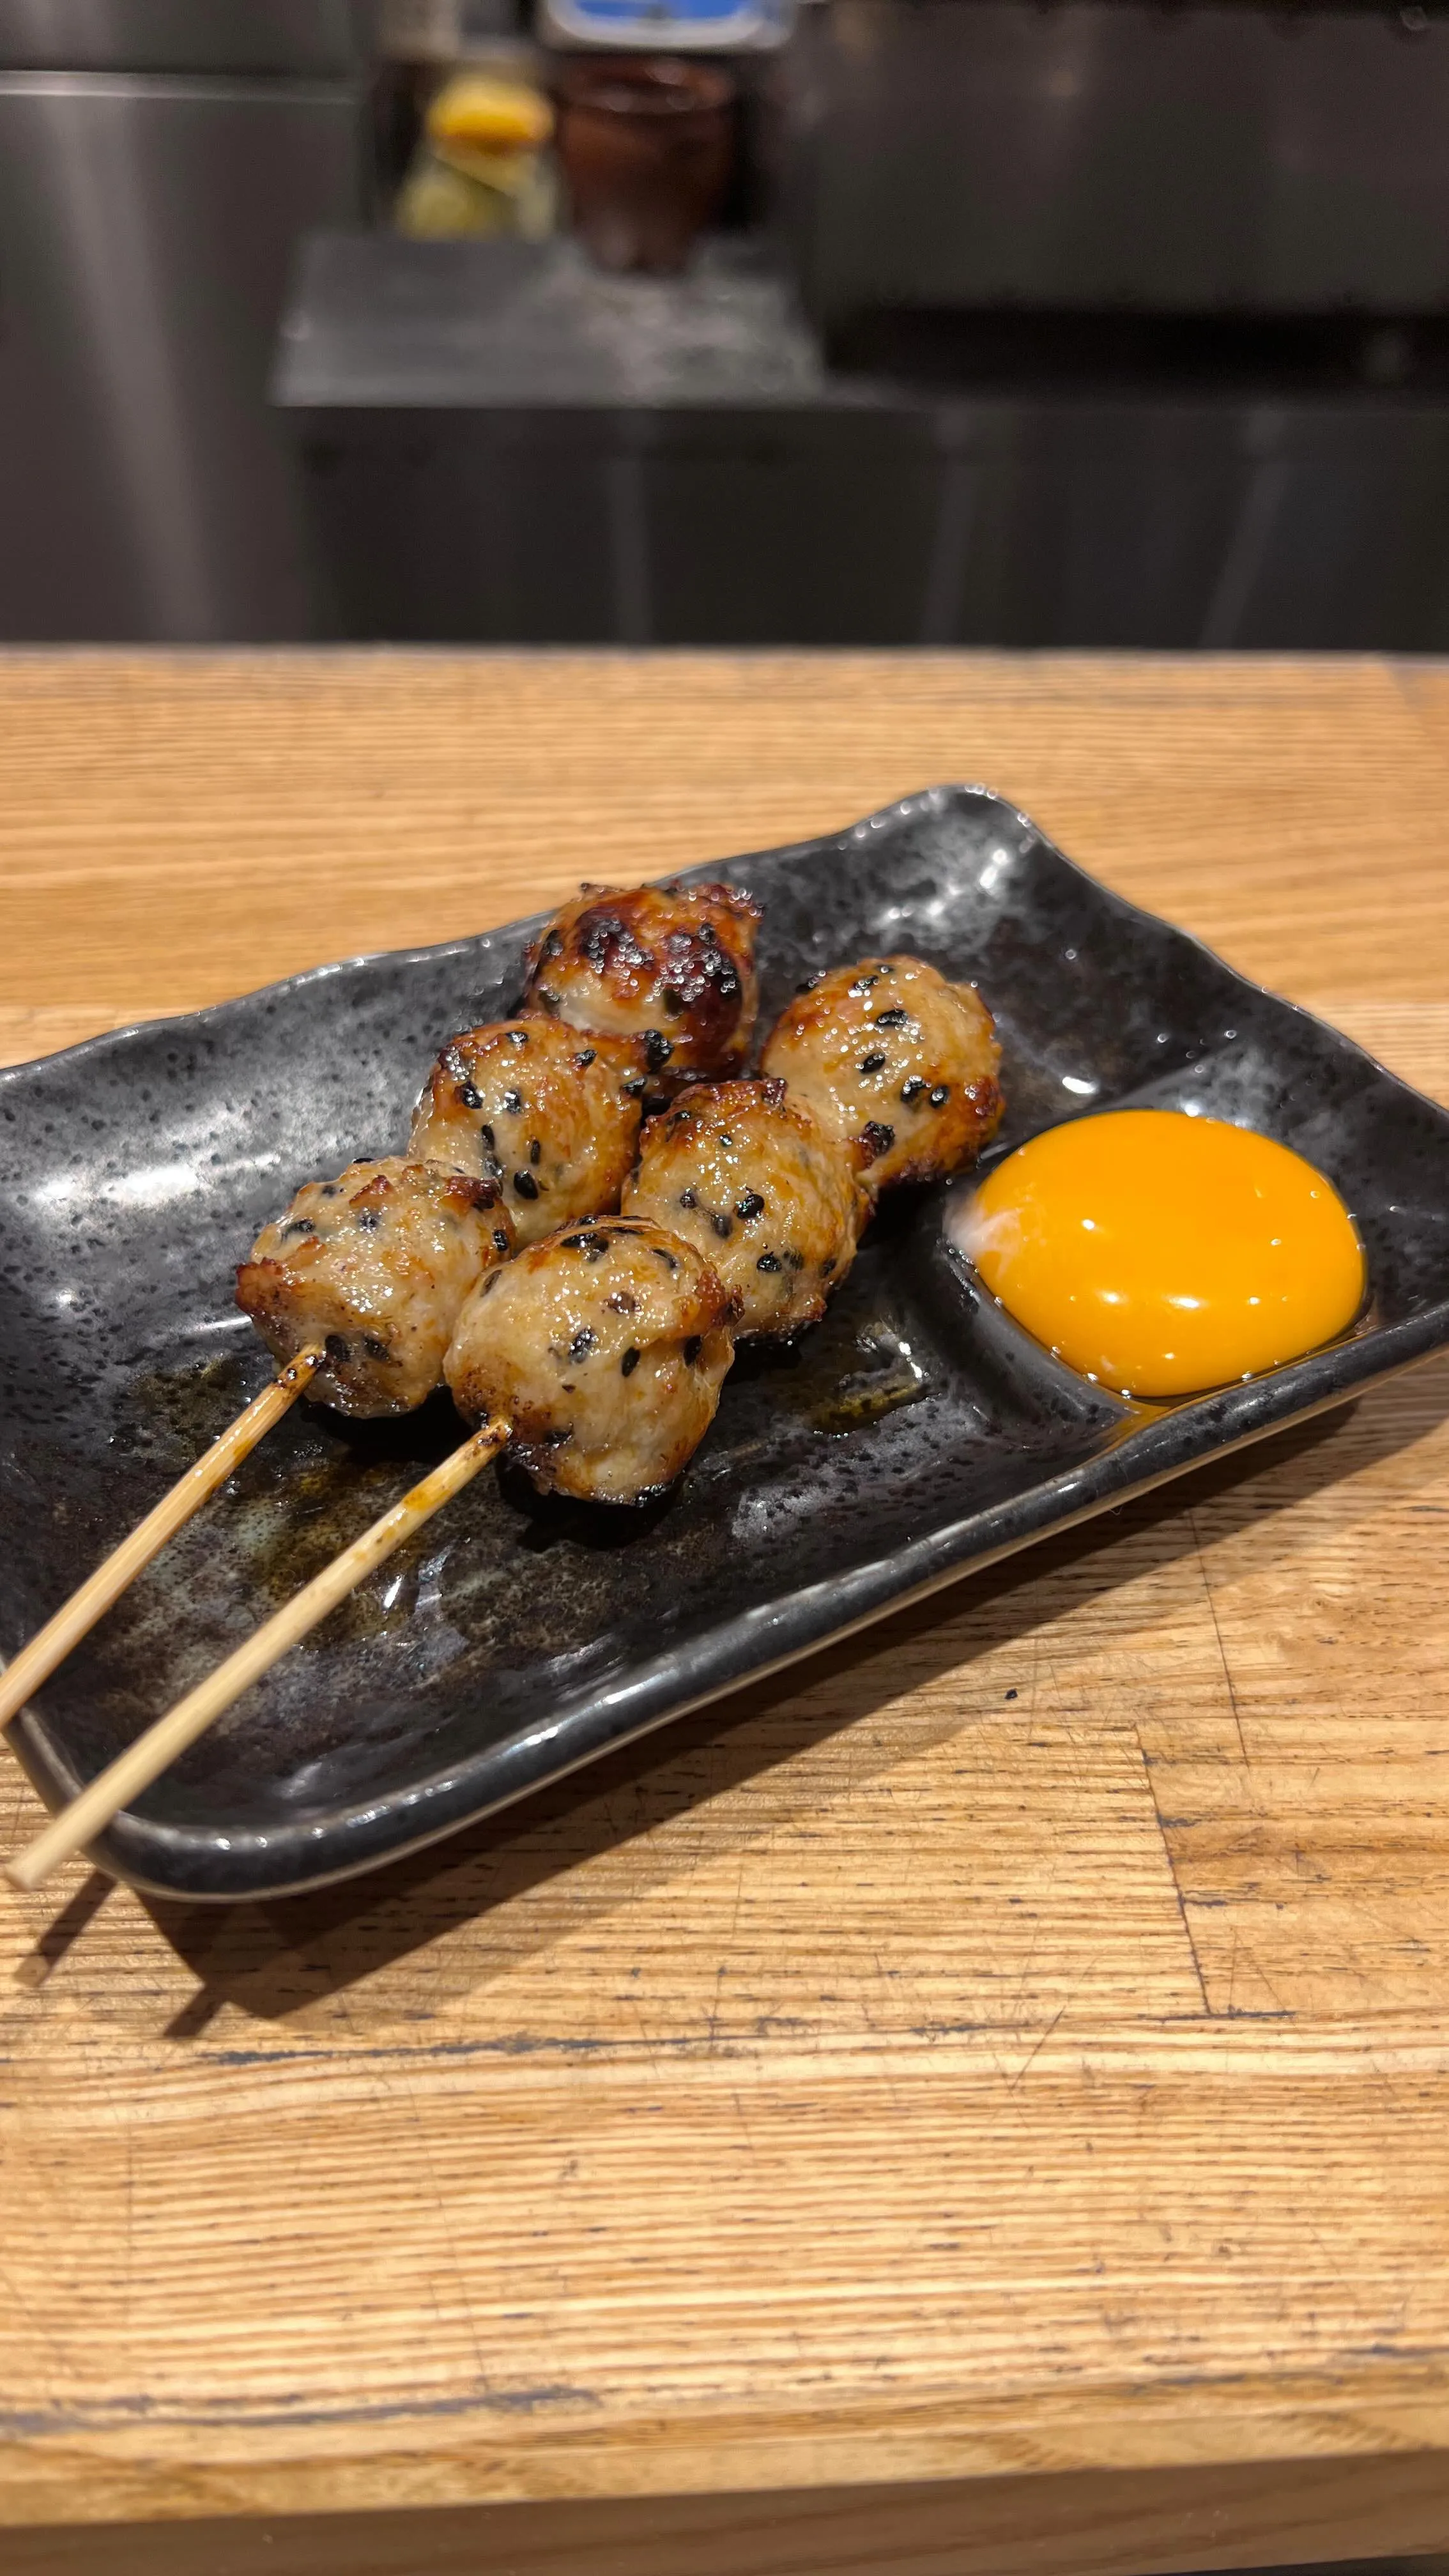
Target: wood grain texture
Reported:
[(1004, 2070)]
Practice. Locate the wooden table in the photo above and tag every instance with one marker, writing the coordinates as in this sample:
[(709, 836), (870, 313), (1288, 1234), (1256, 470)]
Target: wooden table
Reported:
[(980, 2105)]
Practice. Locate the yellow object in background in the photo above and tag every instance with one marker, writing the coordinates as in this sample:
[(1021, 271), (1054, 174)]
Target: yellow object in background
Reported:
[(1162, 1254), (483, 166), (478, 112)]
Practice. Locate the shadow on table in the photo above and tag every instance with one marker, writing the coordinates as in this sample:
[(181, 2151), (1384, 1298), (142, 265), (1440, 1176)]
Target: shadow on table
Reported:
[(275, 1959)]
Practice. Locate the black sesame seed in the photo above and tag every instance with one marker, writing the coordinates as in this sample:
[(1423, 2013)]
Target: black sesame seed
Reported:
[(768, 1261), (912, 1090), (687, 1199), (552, 944), (877, 1137), (657, 1049), (873, 1062), (583, 1342), (940, 1095), (708, 935), (535, 1150), (573, 1242), (628, 1363), (585, 1058), (487, 1137), (724, 1227), (633, 1087), (809, 984), (500, 1239), (297, 1225), (525, 1184), (375, 1349), (467, 1097), (749, 1207), (621, 1303), (369, 1219), (492, 1168), (692, 1349), (331, 1189), (895, 1019), (723, 1138), (339, 1349), (728, 983), (513, 1103), (518, 1037)]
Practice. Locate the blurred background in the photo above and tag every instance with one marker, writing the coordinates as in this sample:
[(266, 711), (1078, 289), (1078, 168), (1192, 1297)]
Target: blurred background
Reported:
[(1059, 322)]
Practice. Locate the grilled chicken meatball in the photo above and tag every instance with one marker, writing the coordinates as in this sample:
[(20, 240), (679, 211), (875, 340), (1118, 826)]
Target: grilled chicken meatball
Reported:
[(376, 1265), (550, 1114), (749, 1176), (896, 1063), (672, 965), (605, 1348)]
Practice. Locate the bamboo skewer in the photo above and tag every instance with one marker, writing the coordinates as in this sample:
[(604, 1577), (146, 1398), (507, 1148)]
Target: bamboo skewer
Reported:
[(76, 1617), (143, 1761)]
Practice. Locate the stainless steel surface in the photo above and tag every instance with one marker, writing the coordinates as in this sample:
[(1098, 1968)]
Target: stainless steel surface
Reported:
[(492, 455), (311, 37), (146, 228), (1022, 522), (373, 320), (964, 153)]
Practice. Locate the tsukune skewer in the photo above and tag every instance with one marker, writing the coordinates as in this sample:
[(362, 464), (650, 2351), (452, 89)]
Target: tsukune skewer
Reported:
[(548, 1350), (623, 1294), (356, 1287)]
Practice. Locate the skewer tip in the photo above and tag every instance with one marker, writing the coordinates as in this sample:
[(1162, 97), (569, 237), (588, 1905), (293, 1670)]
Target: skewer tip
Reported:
[(22, 1875)]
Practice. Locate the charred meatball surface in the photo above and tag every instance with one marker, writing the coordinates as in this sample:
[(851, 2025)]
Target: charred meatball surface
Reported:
[(605, 1349), (548, 1113), (747, 1175), (897, 1063), (674, 966), (376, 1265)]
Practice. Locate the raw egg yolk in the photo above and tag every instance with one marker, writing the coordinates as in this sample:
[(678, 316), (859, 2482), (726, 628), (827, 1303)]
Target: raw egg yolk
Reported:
[(1162, 1254)]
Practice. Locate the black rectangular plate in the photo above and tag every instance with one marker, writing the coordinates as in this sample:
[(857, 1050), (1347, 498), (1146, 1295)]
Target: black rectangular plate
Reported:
[(913, 1435)]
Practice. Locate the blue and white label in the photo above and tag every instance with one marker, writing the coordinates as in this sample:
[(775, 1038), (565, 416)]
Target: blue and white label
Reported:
[(717, 26)]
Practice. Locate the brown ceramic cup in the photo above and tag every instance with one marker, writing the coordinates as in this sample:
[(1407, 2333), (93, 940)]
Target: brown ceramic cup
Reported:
[(646, 144)]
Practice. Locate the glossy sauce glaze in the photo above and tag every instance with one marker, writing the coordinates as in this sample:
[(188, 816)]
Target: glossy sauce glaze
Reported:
[(1161, 1254)]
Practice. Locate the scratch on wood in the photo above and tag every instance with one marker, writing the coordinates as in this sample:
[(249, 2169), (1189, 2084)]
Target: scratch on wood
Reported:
[(1217, 1632), (1033, 2054), (1176, 1883)]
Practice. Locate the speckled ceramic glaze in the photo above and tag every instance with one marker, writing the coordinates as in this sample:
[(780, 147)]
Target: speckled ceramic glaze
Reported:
[(914, 1434)]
